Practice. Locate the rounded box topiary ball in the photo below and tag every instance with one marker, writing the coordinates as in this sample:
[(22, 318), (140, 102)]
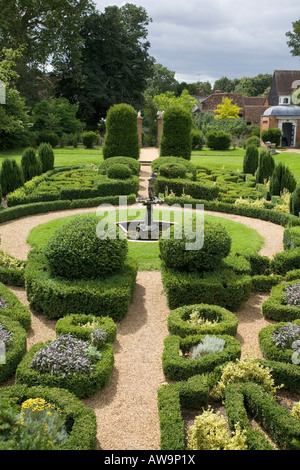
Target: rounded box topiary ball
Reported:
[(76, 251)]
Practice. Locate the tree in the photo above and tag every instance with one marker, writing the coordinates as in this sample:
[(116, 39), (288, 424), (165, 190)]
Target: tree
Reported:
[(11, 176), (176, 137), (121, 138), (250, 162), (168, 99), (266, 165), (115, 63), (56, 115), (160, 81), (294, 38), (227, 110)]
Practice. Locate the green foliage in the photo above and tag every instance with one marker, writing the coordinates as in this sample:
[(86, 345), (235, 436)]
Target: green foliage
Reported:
[(294, 38), (47, 137), (176, 136), (295, 202), (267, 346), (11, 176), (172, 171), (81, 326), (286, 261), (30, 164), (218, 140), (57, 116), (119, 171), (275, 307), (133, 164), (180, 187), (271, 135), (16, 348), (266, 165), (291, 238), (282, 178), (227, 109), (208, 345), (166, 100), (121, 136), (15, 310), (250, 162), (46, 156), (78, 251), (253, 140), (191, 169), (89, 139), (197, 139)]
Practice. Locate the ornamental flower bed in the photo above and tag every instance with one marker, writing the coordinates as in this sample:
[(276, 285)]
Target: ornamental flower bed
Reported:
[(13, 342)]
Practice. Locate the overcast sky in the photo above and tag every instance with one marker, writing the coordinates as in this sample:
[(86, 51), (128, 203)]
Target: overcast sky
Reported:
[(207, 40)]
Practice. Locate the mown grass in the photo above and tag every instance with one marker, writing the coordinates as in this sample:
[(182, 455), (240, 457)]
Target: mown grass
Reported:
[(244, 239)]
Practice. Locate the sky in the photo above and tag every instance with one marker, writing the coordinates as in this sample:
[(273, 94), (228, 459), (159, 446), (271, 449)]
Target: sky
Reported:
[(206, 40)]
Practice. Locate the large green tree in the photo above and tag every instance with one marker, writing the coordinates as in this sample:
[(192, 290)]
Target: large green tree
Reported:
[(294, 38), (115, 63)]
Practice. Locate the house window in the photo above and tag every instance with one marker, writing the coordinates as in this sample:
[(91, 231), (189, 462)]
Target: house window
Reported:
[(284, 100)]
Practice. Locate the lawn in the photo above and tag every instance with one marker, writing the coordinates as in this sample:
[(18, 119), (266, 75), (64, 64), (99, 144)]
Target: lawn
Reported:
[(244, 239)]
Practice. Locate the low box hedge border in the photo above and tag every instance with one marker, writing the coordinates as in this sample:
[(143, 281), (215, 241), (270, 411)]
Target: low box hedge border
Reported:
[(80, 419), (177, 367), (81, 385), (56, 297), (191, 394), (268, 347), (16, 350), (72, 324), (274, 307), (220, 287), (263, 283), (15, 310), (283, 373), (179, 326), (179, 186), (250, 398), (12, 276)]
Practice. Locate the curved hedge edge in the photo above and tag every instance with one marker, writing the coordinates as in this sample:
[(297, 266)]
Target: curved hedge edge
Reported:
[(283, 373), (274, 309), (268, 347), (83, 435), (263, 283), (275, 419), (81, 385), (12, 276), (16, 350), (15, 309), (71, 324), (191, 394), (176, 367)]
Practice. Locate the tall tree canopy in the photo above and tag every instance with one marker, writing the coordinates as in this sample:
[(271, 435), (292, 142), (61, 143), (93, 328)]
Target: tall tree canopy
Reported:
[(248, 86), (294, 38), (115, 63)]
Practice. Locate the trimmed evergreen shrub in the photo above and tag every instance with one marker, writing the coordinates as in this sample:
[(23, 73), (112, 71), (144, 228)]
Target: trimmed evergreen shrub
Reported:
[(48, 137), (195, 189), (121, 136), (266, 165), (15, 346), (197, 139), (286, 261), (172, 171), (119, 171), (262, 283), (218, 140), (295, 202), (76, 251), (282, 178), (176, 136), (250, 162), (269, 348), (81, 420), (276, 308), (30, 164), (291, 238), (89, 139), (271, 135), (216, 246), (11, 176), (189, 166), (81, 326), (46, 156), (13, 308), (133, 164), (253, 140)]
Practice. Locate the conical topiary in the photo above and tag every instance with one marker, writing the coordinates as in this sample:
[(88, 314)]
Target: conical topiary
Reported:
[(46, 156), (250, 162), (176, 140), (11, 176), (266, 165), (31, 164), (121, 138)]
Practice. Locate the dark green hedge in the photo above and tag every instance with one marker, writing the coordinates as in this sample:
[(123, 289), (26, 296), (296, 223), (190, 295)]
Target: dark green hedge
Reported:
[(81, 420), (274, 307), (71, 324), (291, 238), (249, 398), (262, 283), (178, 324), (220, 287), (286, 261), (179, 187), (283, 373), (15, 309), (16, 350), (177, 367), (269, 349), (12, 276), (133, 164), (81, 385), (56, 297), (176, 139)]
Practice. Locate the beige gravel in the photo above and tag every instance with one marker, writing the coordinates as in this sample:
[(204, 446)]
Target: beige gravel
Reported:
[(127, 408)]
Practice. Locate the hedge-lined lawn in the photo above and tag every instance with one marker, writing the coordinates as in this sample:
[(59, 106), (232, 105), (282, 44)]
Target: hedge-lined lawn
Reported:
[(244, 239), (63, 156)]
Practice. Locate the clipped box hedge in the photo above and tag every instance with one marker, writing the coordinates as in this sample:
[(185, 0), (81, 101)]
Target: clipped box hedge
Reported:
[(81, 421), (81, 385), (12, 276), (221, 287), (72, 324), (179, 187), (262, 283), (16, 349), (286, 261), (274, 308), (268, 347), (56, 297), (179, 326), (177, 367), (15, 310)]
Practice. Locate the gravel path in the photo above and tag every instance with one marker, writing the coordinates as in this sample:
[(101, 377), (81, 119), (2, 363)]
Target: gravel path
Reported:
[(127, 408)]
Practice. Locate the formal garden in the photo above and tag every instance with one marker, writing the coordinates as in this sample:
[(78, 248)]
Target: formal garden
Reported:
[(115, 343)]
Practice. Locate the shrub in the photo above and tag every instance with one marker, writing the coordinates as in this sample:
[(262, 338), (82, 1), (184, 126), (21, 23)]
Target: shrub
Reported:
[(119, 172), (133, 164), (172, 171), (81, 326), (176, 136), (275, 341), (80, 421), (76, 252), (190, 167), (14, 338), (295, 202), (208, 345), (253, 140), (291, 238), (281, 179), (271, 135), (197, 139), (266, 165), (121, 136), (48, 137), (218, 140), (46, 156), (13, 309), (276, 308), (286, 261), (187, 187), (11, 176), (89, 139), (250, 162), (216, 246), (30, 164)]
